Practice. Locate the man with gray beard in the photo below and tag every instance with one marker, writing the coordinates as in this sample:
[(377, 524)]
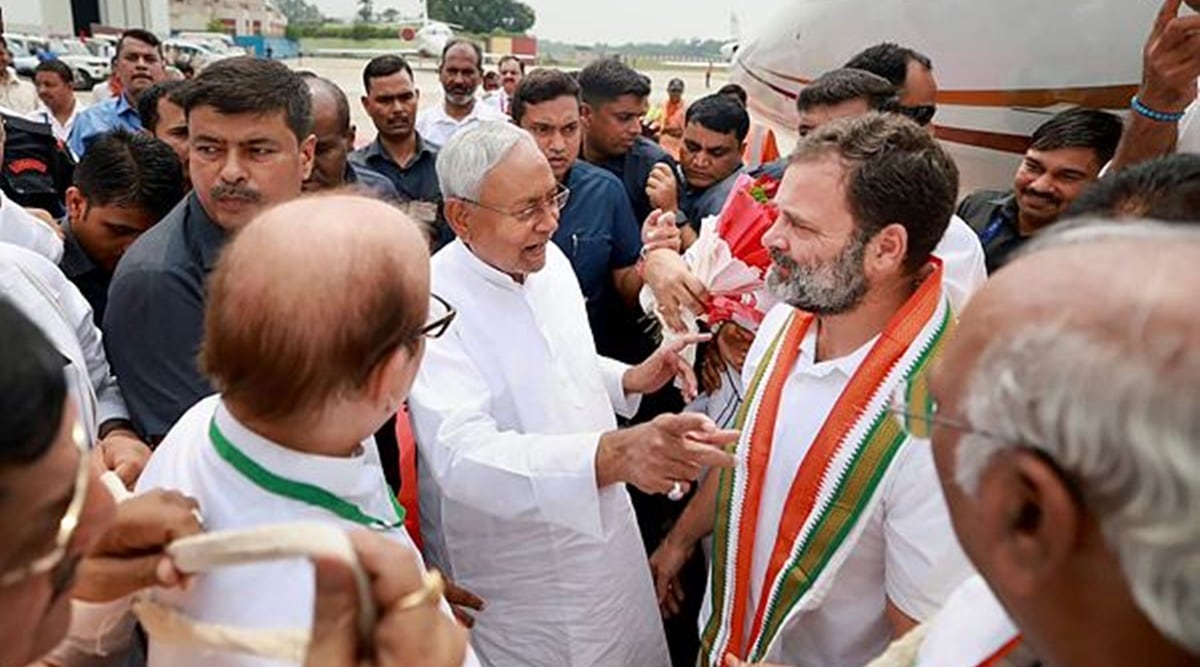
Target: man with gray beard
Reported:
[(828, 541)]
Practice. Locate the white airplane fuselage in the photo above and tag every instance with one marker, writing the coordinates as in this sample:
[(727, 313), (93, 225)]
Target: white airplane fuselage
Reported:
[(1002, 67)]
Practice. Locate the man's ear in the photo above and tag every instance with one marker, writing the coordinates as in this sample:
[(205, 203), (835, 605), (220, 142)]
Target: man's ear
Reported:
[(1034, 517), (887, 251), (308, 152), (76, 205), (585, 114), (459, 217), (385, 384)]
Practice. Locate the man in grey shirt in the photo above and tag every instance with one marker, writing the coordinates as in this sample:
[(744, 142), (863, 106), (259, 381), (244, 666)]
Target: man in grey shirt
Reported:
[(250, 123)]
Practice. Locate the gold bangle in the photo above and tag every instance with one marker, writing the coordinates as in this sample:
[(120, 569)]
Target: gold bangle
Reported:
[(432, 587)]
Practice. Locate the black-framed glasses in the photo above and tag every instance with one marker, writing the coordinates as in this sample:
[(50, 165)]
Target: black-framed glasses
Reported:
[(439, 319), (56, 562), (553, 205), (921, 114)]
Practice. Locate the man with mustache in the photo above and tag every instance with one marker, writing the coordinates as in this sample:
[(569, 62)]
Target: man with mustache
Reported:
[(461, 72), (862, 206), (250, 128), (1066, 155), (400, 153), (137, 66)]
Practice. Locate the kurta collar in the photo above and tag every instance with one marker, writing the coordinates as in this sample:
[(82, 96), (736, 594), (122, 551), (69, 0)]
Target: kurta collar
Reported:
[(484, 270), (846, 365), (339, 476)]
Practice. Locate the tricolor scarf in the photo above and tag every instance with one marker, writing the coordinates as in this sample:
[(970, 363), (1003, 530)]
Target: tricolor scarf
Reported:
[(837, 482)]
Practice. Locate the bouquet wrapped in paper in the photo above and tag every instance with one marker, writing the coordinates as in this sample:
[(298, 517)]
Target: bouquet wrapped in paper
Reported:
[(729, 259)]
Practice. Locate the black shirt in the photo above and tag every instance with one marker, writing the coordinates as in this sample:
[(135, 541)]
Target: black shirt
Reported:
[(416, 183), (634, 167), (155, 317), (79, 268), (993, 215)]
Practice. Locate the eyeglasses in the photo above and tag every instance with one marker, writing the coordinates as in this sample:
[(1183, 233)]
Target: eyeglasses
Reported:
[(56, 562), (440, 321), (921, 115), (920, 424), (553, 204)]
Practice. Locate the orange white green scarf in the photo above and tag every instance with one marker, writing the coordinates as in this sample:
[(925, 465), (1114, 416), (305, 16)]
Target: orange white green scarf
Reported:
[(836, 485)]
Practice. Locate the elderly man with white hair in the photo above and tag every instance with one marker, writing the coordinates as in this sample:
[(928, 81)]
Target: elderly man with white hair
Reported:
[(1067, 440), (523, 471)]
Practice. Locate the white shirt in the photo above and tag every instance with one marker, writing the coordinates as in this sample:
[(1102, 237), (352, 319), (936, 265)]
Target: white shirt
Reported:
[(43, 114), (17, 93), (965, 265), (22, 228), (1189, 130), (508, 409), (276, 594), (44, 295), (907, 553), (436, 127)]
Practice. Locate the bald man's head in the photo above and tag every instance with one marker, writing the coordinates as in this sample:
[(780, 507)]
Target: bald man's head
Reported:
[(311, 300), (1068, 408), (334, 132)]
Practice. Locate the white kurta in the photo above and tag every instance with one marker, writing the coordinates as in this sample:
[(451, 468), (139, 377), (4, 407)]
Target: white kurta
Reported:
[(267, 595), (907, 553), (20, 227), (508, 410), (436, 126), (43, 294), (965, 265)]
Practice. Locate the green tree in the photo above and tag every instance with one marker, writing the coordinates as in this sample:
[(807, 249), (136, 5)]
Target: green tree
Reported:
[(484, 16), (366, 11), (390, 15), (215, 25), (300, 12)]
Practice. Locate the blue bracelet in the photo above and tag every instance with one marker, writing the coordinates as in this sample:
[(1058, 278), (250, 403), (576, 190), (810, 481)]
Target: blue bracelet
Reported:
[(1152, 114)]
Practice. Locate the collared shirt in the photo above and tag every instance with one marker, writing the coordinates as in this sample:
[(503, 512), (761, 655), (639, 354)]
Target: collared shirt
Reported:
[(698, 204), (16, 93), (39, 290), (155, 316), (62, 131), (508, 409), (598, 234), (420, 195), (79, 268), (22, 228), (907, 551), (374, 182), (276, 594), (104, 117), (993, 216), (634, 167), (436, 126)]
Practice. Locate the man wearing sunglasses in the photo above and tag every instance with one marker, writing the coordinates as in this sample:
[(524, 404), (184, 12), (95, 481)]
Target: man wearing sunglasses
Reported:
[(911, 72), (523, 471)]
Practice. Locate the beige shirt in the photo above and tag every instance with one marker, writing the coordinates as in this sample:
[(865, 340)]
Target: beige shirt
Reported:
[(16, 93)]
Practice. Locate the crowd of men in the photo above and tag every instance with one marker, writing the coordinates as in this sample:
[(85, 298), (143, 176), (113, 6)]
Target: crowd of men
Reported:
[(962, 437)]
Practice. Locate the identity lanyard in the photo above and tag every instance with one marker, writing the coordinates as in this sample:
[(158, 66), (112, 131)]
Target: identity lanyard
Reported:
[(298, 491), (993, 229)]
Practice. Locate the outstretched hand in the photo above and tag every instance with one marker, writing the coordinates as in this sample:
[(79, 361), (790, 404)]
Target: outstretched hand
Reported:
[(664, 365)]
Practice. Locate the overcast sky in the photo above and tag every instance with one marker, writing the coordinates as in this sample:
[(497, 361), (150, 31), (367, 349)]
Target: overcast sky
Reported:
[(617, 21)]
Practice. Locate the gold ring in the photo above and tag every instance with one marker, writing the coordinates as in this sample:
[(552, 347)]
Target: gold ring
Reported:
[(430, 592)]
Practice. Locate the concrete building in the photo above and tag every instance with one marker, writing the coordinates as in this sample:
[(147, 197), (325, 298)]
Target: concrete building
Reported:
[(72, 17), (237, 17)]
